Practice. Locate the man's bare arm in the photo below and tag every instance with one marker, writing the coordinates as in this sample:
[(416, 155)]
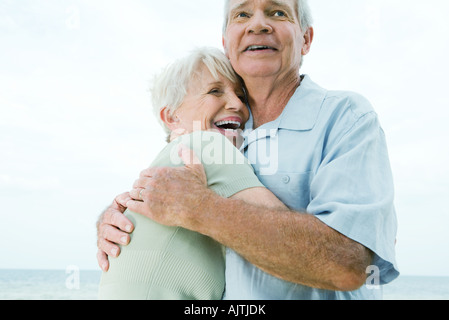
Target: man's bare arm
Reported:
[(293, 246)]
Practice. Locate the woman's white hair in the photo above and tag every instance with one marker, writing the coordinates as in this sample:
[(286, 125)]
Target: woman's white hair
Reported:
[(304, 15), (170, 87)]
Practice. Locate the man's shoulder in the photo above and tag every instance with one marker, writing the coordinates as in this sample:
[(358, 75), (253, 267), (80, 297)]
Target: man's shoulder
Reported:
[(341, 110), (335, 101), (344, 101)]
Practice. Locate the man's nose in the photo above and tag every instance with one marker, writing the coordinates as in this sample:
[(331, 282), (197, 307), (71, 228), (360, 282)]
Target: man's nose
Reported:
[(259, 24)]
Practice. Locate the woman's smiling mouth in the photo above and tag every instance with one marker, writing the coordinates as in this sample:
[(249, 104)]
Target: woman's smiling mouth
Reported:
[(229, 126)]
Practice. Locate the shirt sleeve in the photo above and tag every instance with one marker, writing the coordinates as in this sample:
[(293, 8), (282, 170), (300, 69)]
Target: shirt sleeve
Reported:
[(352, 192), (228, 171)]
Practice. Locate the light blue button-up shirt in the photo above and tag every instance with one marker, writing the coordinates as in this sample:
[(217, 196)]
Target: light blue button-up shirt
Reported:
[(325, 155)]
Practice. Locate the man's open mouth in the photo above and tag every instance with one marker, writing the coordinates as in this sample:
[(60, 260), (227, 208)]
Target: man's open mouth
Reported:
[(259, 48)]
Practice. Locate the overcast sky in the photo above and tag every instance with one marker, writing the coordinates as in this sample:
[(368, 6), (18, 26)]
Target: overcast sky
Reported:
[(76, 126)]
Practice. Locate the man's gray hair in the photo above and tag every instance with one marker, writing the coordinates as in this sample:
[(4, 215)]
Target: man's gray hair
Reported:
[(304, 15), (170, 87)]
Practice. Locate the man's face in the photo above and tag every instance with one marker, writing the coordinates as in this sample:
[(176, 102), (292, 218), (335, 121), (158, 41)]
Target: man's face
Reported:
[(264, 38)]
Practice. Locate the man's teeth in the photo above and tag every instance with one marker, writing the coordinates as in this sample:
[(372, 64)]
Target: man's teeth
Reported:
[(252, 48)]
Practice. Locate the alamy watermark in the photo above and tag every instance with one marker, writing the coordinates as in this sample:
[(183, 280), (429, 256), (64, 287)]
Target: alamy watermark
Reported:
[(262, 150), (73, 21), (72, 282), (373, 279)]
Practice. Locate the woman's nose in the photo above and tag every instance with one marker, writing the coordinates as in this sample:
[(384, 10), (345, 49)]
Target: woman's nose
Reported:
[(235, 103)]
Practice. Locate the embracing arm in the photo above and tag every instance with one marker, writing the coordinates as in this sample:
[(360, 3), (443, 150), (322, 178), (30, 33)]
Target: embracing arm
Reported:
[(293, 246)]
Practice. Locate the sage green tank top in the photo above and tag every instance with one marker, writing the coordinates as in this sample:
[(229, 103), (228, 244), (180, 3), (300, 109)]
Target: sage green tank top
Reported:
[(172, 263)]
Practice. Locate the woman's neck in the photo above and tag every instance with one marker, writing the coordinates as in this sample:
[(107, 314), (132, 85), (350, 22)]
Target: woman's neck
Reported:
[(268, 99)]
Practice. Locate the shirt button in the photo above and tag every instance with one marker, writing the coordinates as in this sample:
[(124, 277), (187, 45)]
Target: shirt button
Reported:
[(286, 179)]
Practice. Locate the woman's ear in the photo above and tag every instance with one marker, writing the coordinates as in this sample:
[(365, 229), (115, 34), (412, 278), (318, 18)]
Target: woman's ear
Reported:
[(170, 120)]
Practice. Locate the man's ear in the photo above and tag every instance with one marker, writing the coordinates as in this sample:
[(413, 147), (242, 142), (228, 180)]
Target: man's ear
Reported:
[(308, 38), (223, 40), (170, 120)]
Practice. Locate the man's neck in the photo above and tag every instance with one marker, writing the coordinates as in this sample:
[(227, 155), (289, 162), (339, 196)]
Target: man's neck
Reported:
[(268, 100)]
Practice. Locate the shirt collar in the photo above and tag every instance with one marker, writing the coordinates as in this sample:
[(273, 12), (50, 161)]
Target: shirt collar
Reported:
[(301, 112)]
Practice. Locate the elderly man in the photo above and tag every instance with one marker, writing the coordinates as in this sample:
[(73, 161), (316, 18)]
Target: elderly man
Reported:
[(327, 161)]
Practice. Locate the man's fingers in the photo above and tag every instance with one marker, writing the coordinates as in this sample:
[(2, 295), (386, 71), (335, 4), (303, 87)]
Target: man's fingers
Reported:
[(136, 206), (102, 260), (113, 228), (141, 183), (112, 234), (108, 248), (148, 173), (109, 237), (117, 219), (136, 194), (121, 201)]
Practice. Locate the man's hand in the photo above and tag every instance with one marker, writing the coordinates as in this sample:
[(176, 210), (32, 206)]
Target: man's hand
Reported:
[(169, 196), (113, 228)]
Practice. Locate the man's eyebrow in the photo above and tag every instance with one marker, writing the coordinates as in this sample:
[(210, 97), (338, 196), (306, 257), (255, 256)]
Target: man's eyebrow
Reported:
[(273, 3), (238, 6)]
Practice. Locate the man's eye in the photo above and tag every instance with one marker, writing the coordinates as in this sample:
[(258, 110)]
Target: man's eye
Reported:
[(279, 14), (242, 15)]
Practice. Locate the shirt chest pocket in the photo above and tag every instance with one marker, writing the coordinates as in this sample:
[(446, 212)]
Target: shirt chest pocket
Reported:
[(293, 189)]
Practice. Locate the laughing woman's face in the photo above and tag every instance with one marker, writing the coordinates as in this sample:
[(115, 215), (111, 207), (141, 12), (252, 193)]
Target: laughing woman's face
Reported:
[(210, 104)]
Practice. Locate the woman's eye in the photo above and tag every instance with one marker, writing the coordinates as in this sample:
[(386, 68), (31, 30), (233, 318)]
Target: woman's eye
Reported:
[(214, 91)]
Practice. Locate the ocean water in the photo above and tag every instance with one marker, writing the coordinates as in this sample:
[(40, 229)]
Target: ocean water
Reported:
[(73, 284), (49, 284)]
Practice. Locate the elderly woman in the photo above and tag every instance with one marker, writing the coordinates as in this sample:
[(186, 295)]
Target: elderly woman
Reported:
[(199, 100)]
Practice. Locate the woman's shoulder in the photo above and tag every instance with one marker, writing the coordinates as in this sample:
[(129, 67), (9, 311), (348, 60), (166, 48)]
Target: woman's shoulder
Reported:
[(210, 148)]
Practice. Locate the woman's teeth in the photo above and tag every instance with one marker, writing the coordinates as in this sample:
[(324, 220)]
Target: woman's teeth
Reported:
[(228, 125)]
